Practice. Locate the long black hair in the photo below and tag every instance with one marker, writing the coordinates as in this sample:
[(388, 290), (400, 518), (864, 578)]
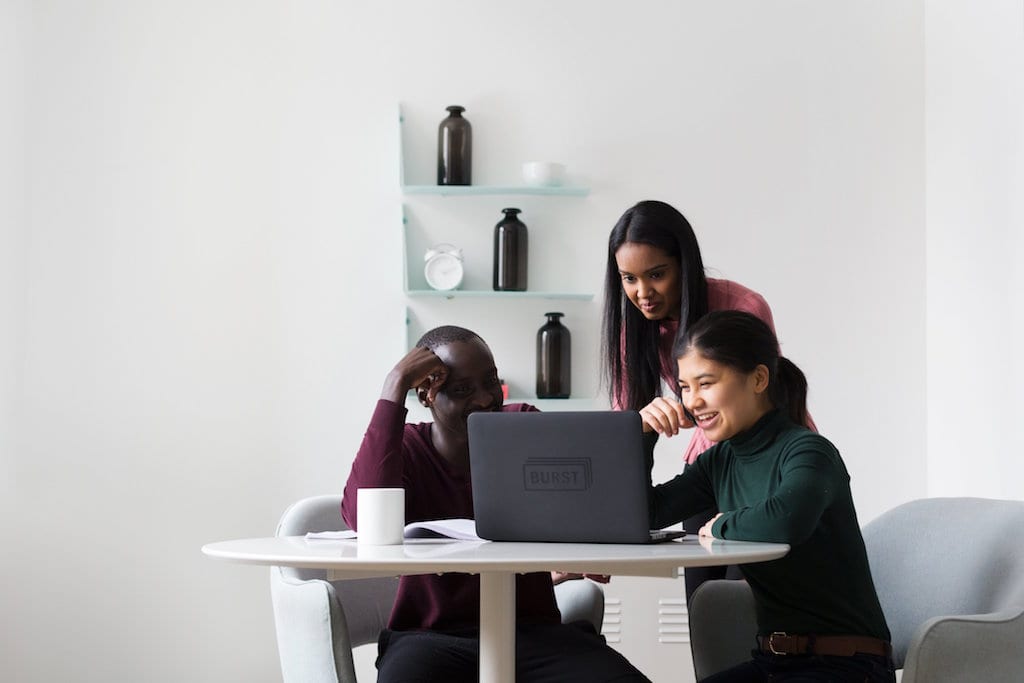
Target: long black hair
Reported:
[(743, 341), (631, 360)]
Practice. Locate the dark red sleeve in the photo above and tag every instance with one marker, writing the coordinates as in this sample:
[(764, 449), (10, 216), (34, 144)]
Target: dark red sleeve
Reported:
[(379, 462), (519, 408)]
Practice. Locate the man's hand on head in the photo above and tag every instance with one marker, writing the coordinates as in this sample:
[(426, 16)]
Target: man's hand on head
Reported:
[(421, 370)]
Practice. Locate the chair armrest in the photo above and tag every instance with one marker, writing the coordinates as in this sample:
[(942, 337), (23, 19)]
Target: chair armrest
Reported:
[(978, 647), (304, 612), (581, 600)]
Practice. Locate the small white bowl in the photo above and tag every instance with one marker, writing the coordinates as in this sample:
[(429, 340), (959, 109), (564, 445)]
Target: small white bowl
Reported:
[(544, 173)]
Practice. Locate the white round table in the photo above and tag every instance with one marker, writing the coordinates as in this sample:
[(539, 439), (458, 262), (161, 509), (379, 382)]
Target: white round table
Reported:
[(497, 564)]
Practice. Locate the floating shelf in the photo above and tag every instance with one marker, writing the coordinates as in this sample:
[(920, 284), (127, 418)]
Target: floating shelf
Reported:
[(467, 190), (480, 190), (417, 413), (417, 290), (551, 405), (486, 293), (417, 238)]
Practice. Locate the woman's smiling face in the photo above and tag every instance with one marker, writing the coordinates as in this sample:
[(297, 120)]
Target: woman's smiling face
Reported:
[(650, 279), (723, 400)]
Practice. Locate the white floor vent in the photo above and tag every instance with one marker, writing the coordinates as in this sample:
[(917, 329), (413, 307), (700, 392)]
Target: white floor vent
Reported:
[(673, 621)]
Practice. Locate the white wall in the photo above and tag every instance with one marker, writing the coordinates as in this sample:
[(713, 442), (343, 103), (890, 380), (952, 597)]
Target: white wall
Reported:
[(975, 245), (792, 138), (212, 270), (13, 216), (152, 335)]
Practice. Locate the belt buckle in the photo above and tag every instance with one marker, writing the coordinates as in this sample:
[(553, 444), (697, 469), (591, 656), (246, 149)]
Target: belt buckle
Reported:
[(771, 645)]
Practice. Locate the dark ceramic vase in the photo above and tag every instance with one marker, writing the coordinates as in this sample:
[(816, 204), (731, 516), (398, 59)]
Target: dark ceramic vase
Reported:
[(554, 359), (454, 149), (510, 248)]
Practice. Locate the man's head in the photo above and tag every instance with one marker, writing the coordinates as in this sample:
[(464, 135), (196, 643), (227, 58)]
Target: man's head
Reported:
[(472, 383)]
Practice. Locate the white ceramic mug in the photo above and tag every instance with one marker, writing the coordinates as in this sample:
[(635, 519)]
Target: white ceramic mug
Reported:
[(380, 514)]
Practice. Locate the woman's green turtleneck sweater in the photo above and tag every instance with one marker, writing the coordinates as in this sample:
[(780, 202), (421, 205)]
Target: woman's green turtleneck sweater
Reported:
[(780, 483)]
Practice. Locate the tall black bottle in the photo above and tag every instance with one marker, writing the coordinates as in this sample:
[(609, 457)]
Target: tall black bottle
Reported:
[(454, 149), (510, 247), (554, 359)]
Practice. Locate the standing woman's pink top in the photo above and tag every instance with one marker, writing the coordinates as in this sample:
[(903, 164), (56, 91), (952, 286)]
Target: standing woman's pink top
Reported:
[(723, 295)]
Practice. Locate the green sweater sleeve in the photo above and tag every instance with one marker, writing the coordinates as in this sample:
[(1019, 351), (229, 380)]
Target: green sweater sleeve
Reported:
[(809, 477), (681, 497)]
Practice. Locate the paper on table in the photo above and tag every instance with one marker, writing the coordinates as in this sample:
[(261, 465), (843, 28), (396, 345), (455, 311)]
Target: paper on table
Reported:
[(330, 535), (458, 529)]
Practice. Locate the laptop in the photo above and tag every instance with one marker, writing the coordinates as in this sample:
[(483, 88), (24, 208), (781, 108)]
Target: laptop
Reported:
[(568, 477)]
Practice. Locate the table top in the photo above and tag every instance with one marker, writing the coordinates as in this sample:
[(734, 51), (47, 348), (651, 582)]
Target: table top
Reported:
[(424, 556)]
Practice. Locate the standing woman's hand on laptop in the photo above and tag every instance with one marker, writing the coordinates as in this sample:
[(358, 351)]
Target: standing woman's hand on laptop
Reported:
[(420, 369), (665, 416)]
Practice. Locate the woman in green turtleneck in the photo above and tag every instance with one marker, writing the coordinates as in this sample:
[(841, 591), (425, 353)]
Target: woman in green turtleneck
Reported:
[(817, 611)]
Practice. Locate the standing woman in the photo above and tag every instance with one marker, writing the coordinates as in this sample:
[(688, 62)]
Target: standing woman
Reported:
[(774, 480), (655, 289)]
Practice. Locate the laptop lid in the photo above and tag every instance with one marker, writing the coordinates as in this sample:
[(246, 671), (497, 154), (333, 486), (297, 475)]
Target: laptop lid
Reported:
[(570, 477)]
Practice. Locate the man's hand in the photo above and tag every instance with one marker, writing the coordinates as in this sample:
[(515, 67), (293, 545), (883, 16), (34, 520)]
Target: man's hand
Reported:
[(420, 369)]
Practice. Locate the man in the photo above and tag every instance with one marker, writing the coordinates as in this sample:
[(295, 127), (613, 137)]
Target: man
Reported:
[(433, 633)]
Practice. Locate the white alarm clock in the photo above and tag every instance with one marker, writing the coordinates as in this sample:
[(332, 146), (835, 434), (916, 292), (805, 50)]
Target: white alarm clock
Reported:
[(443, 267)]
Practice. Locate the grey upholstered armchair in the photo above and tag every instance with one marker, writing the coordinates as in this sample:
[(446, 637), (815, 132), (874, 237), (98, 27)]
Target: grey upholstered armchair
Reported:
[(950, 576), (318, 622)]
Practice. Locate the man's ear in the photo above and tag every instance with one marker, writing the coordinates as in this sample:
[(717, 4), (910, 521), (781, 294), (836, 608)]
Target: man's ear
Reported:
[(423, 395)]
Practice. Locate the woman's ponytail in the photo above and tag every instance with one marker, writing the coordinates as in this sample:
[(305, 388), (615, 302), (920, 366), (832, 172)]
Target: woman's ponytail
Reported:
[(789, 391)]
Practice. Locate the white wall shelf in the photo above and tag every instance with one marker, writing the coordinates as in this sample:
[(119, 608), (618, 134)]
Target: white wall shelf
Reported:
[(425, 223), (476, 190), (417, 413), (480, 190), (486, 293), (559, 404), (412, 281)]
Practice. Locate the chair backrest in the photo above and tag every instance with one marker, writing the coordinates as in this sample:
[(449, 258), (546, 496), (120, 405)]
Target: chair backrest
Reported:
[(723, 626), (945, 556), (366, 602)]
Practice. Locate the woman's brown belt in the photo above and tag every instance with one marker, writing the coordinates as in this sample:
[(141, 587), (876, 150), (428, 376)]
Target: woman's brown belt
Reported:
[(780, 643)]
